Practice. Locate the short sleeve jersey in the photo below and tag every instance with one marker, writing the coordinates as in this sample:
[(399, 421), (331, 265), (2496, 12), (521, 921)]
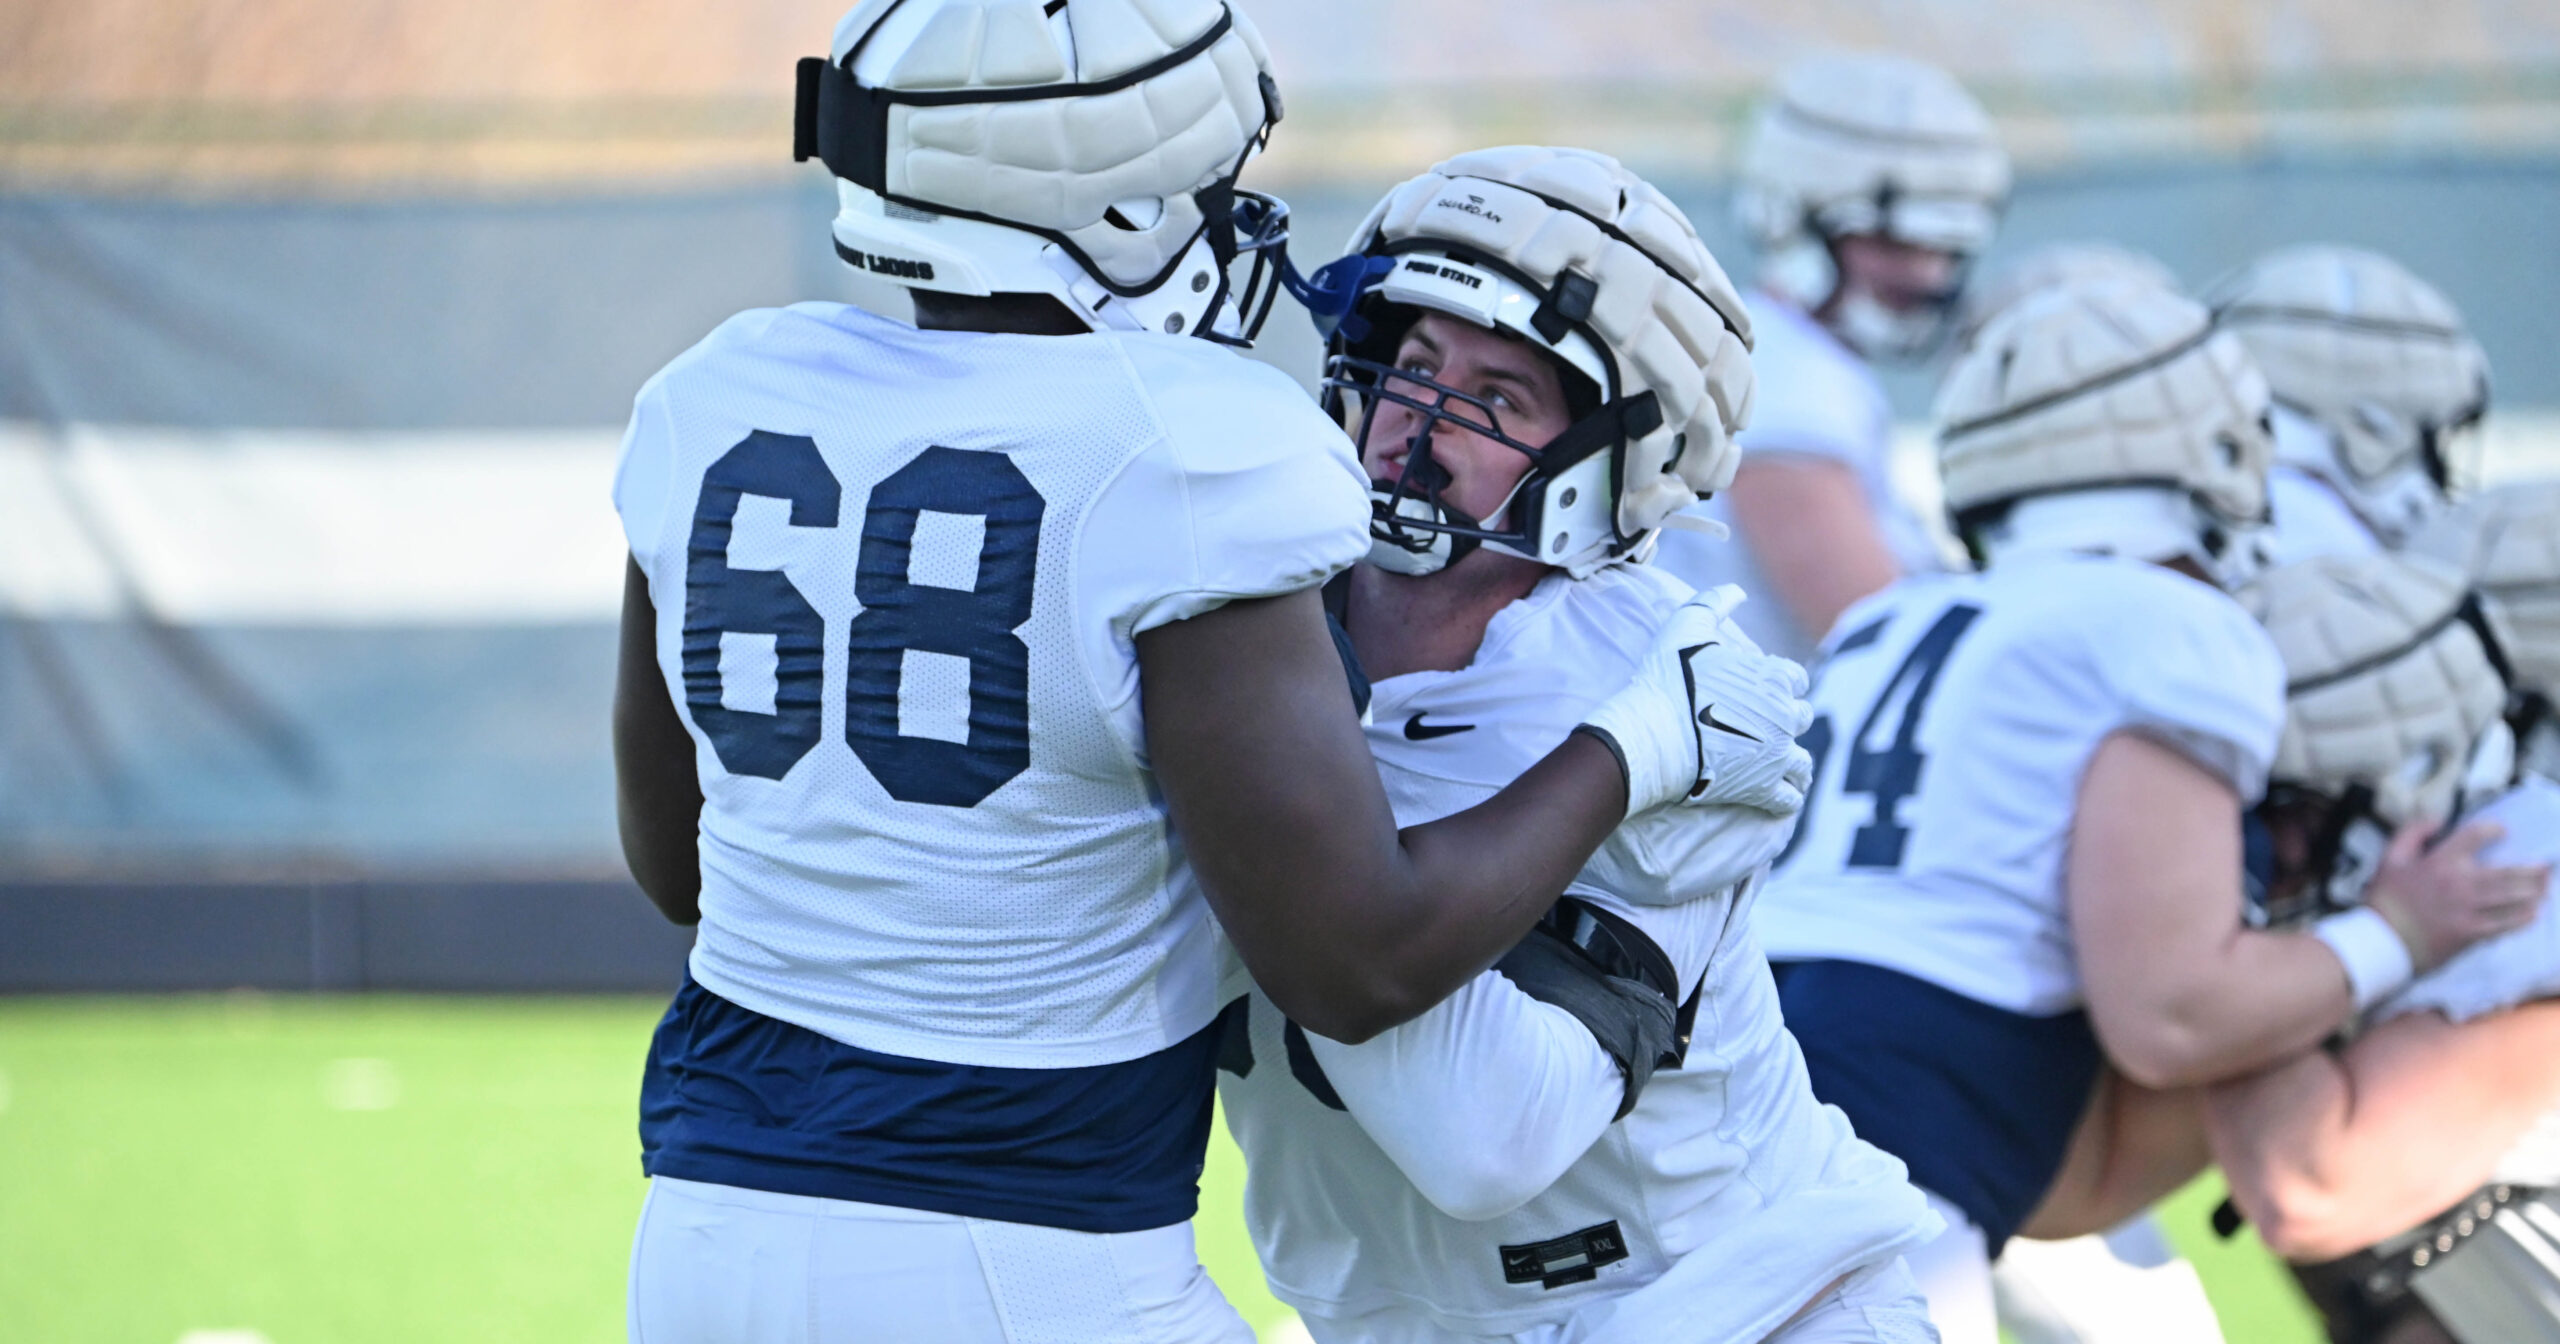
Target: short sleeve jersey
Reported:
[(1813, 398), (1955, 716), (1727, 1190), (898, 578)]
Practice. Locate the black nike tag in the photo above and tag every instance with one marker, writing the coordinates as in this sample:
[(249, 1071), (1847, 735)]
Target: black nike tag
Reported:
[(1708, 717), (1415, 730)]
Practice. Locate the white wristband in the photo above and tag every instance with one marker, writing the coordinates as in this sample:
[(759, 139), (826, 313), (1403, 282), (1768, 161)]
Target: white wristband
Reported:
[(2377, 962)]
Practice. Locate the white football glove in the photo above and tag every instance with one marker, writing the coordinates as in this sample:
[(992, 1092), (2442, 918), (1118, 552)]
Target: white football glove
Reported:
[(1710, 720)]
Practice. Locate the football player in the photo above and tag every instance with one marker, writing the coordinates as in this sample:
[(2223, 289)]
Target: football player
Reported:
[(2414, 1170), (2407, 1168), (2126, 1283), (1609, 1135), (2019, 869), (1870, 183), (968, 667), (2379, 393)]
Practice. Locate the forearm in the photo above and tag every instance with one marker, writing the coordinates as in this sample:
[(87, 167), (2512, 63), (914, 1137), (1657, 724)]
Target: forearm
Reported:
[(1415, 918), (2134, 1148), (2229, 1007), (2330, 1153), (1810, 527)]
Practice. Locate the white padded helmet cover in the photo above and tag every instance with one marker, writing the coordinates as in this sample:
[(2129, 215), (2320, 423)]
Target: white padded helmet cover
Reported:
[(2387, 687), (1666, 312), (2111, 383), (2343, 333), (2508, 541), (1845, 132), (2054, 266), (1061, 163)]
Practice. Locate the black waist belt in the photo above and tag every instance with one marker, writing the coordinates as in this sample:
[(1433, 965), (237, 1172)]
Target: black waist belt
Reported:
[(2364, 1295)]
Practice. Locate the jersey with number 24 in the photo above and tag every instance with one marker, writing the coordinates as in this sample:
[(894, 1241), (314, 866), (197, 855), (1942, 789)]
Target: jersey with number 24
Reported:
[(1955, 716), (898, 576)]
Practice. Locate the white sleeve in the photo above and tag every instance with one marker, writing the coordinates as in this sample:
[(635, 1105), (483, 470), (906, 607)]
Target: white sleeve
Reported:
[(644, 476), (2513, 968), (1675, 855), (1251, 492), (1483, 1101), (2188, 667)]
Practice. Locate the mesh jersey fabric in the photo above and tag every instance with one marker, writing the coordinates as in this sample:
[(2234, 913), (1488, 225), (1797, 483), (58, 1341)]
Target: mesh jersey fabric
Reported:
[(1933, 841), (1715, 1158), (1815, 399), (965, 860)]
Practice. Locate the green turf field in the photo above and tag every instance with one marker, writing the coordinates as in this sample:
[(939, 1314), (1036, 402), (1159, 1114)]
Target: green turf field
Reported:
[(353, 1171)]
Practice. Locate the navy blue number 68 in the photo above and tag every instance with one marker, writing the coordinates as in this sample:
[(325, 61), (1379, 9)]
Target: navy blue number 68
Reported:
[(897, 616)]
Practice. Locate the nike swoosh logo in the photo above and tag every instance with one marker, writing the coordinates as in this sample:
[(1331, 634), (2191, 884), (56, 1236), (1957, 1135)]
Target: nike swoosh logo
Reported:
[(1415, 730), (1708, 717)]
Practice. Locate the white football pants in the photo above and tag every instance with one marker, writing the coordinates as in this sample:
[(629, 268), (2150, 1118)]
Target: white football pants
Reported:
[(1954, 1273), (2127, 1285), (714, 1264), (1876, 1305)]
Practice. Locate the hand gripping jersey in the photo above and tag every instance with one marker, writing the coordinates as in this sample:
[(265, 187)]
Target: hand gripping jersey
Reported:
[(2488, 1269), (1815, 399), (2514, 968), (898, 574), (1443, 1177), (1933, 984)]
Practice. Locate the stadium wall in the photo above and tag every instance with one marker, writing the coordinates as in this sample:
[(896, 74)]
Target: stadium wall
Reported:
[(308, 575)]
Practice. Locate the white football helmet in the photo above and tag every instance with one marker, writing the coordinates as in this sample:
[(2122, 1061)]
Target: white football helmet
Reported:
[(1869, 143), (2051, 267), (1086, 150), (1569, 251), (2380, 368), (2108, 417), (2394, 700), (2508, 541)]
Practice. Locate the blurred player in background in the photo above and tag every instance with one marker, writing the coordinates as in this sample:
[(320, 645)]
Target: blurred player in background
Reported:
[(2052, 266), (2019, 872), (1551, 1151), (2379, 393), (2127, 1283), (944, 1066), (2418, 1163), (1870, 183)]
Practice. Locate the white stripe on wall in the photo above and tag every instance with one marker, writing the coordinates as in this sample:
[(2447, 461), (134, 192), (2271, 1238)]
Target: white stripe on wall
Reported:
[(494, 527), (305, 528)]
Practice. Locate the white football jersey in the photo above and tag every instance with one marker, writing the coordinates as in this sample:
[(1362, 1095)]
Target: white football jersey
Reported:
[(1462, 1173), (2514, 968), (898, 575), (1813, 397), (1955, 717)]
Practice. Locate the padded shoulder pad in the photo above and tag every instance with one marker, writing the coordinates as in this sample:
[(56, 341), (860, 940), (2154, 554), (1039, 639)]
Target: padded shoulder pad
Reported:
[(1257, 493), (1611, 978)]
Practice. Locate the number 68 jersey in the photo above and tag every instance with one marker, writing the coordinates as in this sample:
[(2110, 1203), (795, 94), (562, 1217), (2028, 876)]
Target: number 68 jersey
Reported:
[(898, 576), (1955, 716)]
